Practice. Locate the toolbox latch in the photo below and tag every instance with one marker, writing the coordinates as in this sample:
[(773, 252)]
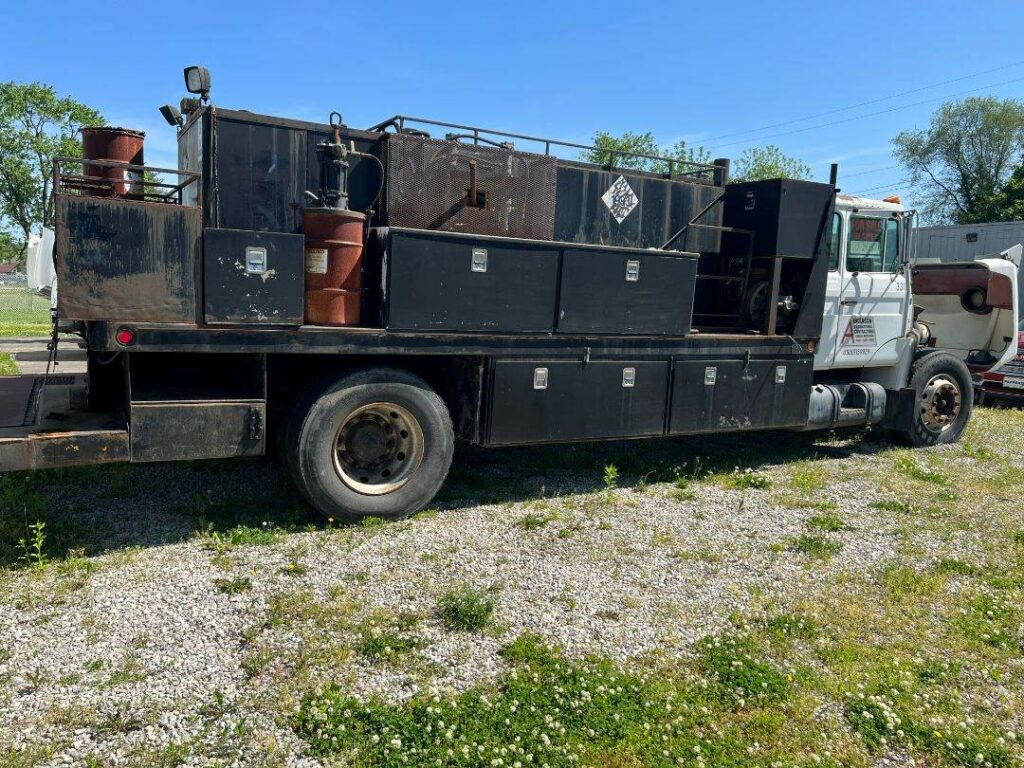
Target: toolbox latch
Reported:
[(255, 260), (632, 270), (628, 377), (255, 424), (479, 262), (540, 378)]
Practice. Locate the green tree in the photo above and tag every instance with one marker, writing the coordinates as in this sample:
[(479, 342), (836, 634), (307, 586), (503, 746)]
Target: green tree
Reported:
[(959, 164), (10, 248), (770, 162), (1008, 203), (36, 125), (621, 151)]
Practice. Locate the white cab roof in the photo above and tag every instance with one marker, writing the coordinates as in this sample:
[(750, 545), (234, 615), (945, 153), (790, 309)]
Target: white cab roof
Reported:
[(866, 203)]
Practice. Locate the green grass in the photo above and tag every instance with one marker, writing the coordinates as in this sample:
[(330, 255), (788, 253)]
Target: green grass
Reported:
[(7, 365), (387, 637), (748, 478), (815, 547), (548, 710), (466, 609), (22, 313), (828, 521), (532, 521), (234, 585)]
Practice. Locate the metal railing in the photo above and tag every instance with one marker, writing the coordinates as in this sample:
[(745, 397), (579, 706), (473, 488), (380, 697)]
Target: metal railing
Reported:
[(675, 166), (117, 179)]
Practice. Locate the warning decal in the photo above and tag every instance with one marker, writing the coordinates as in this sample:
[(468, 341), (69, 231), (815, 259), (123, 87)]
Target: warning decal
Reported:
[(860, 332), (316, 261)]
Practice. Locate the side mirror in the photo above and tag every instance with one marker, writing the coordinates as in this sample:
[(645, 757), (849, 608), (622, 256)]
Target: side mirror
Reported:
[(197, 80)]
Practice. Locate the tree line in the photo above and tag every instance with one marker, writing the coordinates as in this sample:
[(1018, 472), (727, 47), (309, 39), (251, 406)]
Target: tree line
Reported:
[(966, 166)]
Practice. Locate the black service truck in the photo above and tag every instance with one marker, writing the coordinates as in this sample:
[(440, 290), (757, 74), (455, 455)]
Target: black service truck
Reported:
[(358, 300)]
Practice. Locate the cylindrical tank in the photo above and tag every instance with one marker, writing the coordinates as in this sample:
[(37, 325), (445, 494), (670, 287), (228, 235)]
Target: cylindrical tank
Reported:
[(119, 144), (334, 265), (333, 306)]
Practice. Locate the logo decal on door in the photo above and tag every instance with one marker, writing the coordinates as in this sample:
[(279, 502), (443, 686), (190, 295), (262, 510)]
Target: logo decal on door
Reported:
[(860, 332)]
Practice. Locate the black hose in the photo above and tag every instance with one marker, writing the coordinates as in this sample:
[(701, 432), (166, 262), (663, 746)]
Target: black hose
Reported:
[(380, 186)]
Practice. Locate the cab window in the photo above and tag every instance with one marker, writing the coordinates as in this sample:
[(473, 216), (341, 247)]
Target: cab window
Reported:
[(874, 244), (833, 252)]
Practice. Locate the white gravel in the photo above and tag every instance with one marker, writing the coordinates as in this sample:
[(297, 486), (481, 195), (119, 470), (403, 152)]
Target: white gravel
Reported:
[(150, 653)]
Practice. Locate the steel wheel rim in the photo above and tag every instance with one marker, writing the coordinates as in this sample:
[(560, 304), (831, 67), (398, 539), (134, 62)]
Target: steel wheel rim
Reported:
[(378, 448), (941, 402)]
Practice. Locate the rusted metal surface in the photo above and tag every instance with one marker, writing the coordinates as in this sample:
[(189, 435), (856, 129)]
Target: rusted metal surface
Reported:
[(49, 450), (16, 400), (674, 166), (334, 248), (126, 260), (430, 185), (63, 434), (333, 306), (183, 190), (121, 145), (173, 431), (958, 279)]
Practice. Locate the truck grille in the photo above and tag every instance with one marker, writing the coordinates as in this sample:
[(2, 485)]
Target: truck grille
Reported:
[(1014, 367)]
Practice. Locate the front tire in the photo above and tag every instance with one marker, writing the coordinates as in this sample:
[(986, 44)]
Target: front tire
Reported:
[(375, 443), (943, 400)]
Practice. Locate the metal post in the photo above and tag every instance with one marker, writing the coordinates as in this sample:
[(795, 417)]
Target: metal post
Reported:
[(721, 177), (833, 174), (772, 308)]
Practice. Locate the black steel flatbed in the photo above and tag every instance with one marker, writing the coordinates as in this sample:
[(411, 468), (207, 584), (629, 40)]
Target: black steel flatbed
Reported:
[(376, 341)]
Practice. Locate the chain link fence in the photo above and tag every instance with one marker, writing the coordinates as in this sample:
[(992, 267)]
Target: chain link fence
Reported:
[(22, 312)]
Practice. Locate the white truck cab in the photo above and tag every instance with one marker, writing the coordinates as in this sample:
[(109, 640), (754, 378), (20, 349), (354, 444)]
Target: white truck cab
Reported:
[(880, 306), (914, 331)]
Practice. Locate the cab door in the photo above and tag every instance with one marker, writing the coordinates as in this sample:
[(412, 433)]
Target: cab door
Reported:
[(824, 355), (872, 311)]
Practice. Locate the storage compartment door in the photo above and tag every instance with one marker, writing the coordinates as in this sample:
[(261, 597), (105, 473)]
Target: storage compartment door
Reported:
[(200, 430), (253, 278), (626, 292), (730, 395), (469, 284), (552, 401)]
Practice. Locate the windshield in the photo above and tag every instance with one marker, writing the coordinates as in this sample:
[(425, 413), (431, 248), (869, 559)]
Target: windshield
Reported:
[(873, 244), (1020, 325)]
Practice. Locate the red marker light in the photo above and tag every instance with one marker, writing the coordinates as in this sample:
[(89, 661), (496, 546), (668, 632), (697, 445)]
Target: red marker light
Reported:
[(125, 337)]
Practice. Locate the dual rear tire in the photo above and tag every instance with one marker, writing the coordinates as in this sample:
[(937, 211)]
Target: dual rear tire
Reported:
[(373, 443)]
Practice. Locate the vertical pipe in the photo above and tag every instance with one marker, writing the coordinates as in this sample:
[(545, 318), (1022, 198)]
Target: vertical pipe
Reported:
[(833, 174), (721, 177)]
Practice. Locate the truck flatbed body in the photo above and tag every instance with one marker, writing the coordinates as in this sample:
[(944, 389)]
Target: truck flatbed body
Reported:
[(48, 424), (153, 337)]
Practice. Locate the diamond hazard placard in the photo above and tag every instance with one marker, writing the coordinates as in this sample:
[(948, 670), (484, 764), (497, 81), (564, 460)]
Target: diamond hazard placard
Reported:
[(620, 199)]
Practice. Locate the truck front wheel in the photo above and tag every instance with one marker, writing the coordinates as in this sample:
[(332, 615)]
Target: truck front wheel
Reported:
[(376, 443), (943, 399)]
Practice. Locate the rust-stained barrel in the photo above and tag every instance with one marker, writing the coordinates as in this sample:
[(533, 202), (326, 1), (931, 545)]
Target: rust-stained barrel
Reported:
[(333, 306), (334, 265), (119, 144)]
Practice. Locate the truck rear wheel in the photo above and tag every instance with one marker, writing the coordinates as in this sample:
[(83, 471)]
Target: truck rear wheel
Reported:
[(943, 399), (374, 443)]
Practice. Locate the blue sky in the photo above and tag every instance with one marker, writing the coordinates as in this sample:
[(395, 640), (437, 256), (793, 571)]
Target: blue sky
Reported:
[(718, 74)]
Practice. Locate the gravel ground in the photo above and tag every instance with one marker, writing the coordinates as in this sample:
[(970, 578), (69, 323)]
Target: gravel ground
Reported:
[(140, 647)]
